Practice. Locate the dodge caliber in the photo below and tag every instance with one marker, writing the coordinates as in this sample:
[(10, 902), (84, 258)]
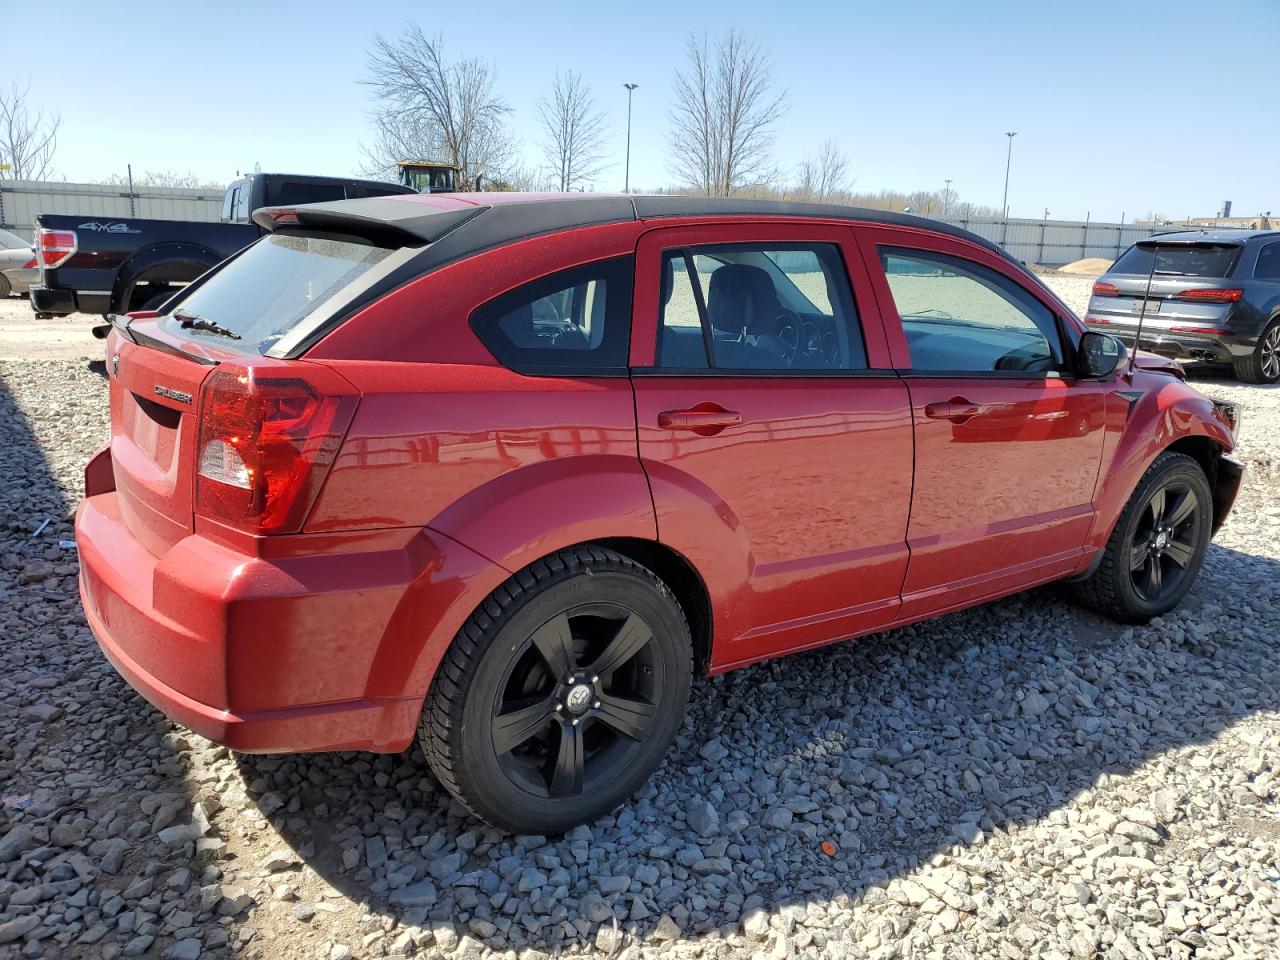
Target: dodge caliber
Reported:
[(503, 474)]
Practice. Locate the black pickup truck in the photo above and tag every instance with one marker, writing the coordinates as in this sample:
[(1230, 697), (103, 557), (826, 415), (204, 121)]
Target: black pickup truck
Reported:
[(114, 265)]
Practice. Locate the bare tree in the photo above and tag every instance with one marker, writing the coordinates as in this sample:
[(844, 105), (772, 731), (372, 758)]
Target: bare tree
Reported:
[(724, 115), (166, 179), (573, 132), (435, 108), (28, 140), (824, 175)]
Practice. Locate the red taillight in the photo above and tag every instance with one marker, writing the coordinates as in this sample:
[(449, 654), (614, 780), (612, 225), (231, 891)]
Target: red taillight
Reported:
[(1210, 331), (55, 247), (283, 216), (265, 447), (1210, 296), (1102, 320), (29, 264), (1103, 289)]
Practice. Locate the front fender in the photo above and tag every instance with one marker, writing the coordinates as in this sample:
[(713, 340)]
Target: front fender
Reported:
[(1149, 419)]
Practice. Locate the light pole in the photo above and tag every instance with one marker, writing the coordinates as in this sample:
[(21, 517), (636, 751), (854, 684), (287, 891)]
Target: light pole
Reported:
[(1007, 161), (946, 198), (626, 183)]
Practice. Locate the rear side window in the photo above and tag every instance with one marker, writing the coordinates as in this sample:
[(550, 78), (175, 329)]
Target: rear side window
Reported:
[(1200, 260), (961, 317), (1268, 265), (576, 322), (762, 307), (263, 294)]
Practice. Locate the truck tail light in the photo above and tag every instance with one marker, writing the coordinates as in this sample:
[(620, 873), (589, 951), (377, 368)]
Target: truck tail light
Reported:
[(1210, 296), (264, 448), (55, 247), (1104, 289)]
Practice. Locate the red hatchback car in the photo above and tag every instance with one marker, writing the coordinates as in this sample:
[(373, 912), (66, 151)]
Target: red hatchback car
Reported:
[(503, 472)]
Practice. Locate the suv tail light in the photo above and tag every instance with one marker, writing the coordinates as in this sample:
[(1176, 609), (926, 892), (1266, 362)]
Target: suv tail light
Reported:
[(1210, 296), (1104, 289), (265, 446), (55, 247)]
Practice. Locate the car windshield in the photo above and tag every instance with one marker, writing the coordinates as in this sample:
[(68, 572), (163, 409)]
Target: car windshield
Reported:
[(1198, 260), (265, 292)]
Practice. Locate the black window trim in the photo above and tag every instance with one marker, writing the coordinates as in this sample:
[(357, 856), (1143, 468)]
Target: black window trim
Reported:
[(687, 253), (621, 274), (1066, 343)]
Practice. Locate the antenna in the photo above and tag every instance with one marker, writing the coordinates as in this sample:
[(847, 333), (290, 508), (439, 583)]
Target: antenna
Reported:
[(1142, 314)]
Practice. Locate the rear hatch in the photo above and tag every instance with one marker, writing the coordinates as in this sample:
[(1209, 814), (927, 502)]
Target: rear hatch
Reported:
[(155, 393), (1188, 288), (158, 365)]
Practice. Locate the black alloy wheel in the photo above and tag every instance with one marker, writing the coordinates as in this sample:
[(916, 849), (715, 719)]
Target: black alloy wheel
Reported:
[(561, 693), (1157, 546), (1164, 542), (579, 701)]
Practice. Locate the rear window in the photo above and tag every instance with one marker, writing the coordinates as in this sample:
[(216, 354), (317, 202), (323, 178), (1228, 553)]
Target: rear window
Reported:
[(1201, 260), (264, 293), (297, 192)]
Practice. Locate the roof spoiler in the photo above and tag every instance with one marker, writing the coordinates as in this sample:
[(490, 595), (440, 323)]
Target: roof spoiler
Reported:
[(1162, 241), (373, 219)]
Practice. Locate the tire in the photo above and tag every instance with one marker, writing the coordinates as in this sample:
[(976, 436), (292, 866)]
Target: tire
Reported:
[(153, 302), (1131, 593), (1263, 365), (527, 747), (5, 287)]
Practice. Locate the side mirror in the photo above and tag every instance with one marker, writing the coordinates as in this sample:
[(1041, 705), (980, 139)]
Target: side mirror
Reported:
[(1099, 355)]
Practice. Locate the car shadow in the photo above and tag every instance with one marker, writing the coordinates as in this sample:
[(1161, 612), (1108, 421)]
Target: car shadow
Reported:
[(90, 772), (886, 751)]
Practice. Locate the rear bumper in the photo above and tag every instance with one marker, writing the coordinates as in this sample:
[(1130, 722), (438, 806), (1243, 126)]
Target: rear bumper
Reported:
[(62, 302), (1182, 346), (359, 725), (329, 651)]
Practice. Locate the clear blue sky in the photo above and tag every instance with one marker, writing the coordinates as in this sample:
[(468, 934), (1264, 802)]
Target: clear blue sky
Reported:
[(1119, 106)]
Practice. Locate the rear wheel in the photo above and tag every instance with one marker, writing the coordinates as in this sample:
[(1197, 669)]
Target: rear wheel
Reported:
[(5, 287), (1158, 545), (560, 695), (1263, 365), (156, 296)]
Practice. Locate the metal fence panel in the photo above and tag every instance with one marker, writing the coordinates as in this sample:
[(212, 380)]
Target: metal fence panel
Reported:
[(1055, 242), (1048, 242), (22, 200)]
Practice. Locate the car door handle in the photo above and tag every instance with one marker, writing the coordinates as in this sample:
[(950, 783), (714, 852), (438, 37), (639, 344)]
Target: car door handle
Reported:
[(701, 420), (957, 410)]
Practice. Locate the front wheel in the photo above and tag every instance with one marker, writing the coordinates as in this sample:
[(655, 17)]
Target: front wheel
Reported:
[(1158, 545), (1263, 365), (561, 693)]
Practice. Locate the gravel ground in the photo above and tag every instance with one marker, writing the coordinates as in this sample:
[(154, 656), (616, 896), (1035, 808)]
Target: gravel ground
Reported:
[(1023, 780)]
